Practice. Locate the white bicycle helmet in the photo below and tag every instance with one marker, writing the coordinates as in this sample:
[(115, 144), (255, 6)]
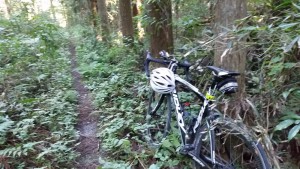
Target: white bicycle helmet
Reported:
[(162, 80)]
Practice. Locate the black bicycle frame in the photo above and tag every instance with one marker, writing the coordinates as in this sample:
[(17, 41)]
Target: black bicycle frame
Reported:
[(204, 111)]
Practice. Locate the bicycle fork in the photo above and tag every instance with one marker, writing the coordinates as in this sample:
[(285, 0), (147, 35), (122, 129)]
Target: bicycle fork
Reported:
[(210, 136), (199, 160), (209, 162)]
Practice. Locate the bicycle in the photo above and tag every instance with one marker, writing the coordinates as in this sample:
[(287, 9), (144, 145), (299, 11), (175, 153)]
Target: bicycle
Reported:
[(211, 139)]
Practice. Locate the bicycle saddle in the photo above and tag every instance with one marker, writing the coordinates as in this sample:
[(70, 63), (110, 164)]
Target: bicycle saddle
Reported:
[(222, 72)]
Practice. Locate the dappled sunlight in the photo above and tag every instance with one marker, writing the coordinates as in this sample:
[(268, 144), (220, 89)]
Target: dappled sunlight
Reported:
[(75, 90), (3, 9), (55, 9)]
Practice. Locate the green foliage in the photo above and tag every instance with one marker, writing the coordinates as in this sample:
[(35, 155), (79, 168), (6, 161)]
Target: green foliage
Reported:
[(272, 33), (188, 23), (292, 121), (274, 44), (37, 103), (120, 92), (36, 109)]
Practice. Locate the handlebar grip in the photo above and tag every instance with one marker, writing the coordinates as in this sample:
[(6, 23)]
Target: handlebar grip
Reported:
[(146, 65), (187, 73), (186, 67), (149, 59), (164, 54)]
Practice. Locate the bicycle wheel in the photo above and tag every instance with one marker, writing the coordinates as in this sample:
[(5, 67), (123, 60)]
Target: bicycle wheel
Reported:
[(234, 147), (158, 117)]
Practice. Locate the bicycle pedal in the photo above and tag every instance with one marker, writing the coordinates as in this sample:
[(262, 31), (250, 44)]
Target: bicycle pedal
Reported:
[(186, 148)]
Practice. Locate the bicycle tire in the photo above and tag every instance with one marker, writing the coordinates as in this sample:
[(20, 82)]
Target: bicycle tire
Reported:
[(158, 117), (235, 146)]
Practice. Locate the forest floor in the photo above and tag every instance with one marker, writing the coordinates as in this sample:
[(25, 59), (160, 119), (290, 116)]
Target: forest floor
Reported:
[(87, 124), (87, 121)]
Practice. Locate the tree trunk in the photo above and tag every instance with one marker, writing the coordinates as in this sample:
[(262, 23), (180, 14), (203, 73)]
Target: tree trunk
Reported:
[(93, 6), (226, 12), (85, 10), (35, 7), (52, 10), (126, 21), (138, 31), (135, 9), (138, 28), (176, 12), (160, 27), (102, 10), (8, 8)]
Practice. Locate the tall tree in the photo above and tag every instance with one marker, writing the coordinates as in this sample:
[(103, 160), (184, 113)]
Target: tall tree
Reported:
[(8, 8), (102, 10), (136, 10), (160, 27), (126, 20), (93, 5), (81, 8), (52, 9), (231, 57)]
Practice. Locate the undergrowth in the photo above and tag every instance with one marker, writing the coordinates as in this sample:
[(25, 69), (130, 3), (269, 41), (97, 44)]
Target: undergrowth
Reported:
[(120, 90), (37, 114), (274, 42)]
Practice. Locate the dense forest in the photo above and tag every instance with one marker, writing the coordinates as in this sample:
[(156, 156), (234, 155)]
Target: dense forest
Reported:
[(73, 91)]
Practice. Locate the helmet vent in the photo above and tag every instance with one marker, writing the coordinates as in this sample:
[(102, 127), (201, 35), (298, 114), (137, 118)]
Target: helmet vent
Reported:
[(160, 83), (162, 80)]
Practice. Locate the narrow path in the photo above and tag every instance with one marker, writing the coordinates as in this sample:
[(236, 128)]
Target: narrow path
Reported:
[(87, 122)]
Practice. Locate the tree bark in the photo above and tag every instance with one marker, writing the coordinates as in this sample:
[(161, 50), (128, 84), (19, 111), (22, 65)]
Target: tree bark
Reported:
[(226, 12), (135, 9), (52, 10), (176, 12), (126, 21), (160, 29), (138, 30), (93, 10), (102, 10), (8, 8)]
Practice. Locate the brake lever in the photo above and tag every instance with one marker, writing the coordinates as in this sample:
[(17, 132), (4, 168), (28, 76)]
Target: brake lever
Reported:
[(164, 54), (146, 64)]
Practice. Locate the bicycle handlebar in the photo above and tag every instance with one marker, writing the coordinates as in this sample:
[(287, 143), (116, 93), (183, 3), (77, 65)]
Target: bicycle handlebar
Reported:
[(185, 65)]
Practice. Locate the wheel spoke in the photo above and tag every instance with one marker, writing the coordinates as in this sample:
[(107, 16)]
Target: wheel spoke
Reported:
[(234, 147)]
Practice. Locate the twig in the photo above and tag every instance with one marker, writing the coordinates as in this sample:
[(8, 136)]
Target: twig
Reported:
[(268, 115), (141, 163)]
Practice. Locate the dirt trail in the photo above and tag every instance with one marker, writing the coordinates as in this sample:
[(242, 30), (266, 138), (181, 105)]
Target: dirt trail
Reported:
[(87, 122)]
